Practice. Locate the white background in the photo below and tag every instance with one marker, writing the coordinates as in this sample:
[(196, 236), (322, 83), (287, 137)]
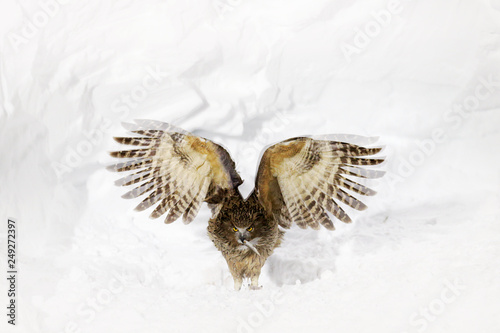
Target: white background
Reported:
[(424, 76)]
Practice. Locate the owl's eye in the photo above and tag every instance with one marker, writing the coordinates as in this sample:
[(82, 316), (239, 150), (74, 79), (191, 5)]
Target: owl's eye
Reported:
[(250, 229), (235, 229)]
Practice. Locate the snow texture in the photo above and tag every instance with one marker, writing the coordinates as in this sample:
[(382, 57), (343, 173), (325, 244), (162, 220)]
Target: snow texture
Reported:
[(423, 76)]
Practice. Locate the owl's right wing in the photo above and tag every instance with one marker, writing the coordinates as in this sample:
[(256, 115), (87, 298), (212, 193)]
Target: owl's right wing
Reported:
[(300, 179), (176, 169)]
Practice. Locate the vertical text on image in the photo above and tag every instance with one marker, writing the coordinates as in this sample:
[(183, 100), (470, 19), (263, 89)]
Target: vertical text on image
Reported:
[(11, 272)]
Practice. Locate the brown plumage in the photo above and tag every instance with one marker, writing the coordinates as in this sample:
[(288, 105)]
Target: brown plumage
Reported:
[(299, 180)]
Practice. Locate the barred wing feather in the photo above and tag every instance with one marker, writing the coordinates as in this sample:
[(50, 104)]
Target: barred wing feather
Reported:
[(176, 170), (301, 179)]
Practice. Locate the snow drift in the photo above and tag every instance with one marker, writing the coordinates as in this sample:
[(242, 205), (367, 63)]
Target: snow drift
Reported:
[(423, 76)]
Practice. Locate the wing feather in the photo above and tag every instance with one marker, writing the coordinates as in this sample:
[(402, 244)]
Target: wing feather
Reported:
[(166, 203), (195, 204), (353, 186), (140, 190), (135, 177), (179, 170), (140, 141), (129, 165), (361, 173), (301, 179), (152, 198), (134, 153)]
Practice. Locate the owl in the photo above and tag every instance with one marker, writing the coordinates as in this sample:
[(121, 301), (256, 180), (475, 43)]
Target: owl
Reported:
[(300, 180)]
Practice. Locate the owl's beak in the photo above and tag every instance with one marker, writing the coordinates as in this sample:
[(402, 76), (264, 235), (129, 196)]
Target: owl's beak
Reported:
[(251, 247)]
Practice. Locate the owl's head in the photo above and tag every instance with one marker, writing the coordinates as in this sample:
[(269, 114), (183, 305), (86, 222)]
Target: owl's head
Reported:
[(242, 224), (247, 230), (243, 234)]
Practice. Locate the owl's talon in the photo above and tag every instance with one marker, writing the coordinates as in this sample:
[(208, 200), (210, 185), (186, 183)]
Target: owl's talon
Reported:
[(255, 287), (237, 284)]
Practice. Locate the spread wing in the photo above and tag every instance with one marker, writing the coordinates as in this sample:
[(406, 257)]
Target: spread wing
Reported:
[(176, 170), (300, 179)]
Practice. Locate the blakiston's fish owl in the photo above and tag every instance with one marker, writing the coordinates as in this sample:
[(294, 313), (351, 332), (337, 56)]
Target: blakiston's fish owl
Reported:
[(299, 180)]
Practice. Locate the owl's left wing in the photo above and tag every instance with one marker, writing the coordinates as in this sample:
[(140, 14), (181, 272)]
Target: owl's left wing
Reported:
[(301, 178)]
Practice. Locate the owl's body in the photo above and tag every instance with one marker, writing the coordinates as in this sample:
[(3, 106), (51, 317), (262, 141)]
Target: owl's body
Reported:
[(299, 180), (257, 228)]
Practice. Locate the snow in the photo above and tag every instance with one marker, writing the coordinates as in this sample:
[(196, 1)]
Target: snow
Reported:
[(424, 76)]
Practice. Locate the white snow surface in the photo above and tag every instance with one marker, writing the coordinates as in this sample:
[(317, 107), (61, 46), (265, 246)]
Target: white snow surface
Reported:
[(423, 76)]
